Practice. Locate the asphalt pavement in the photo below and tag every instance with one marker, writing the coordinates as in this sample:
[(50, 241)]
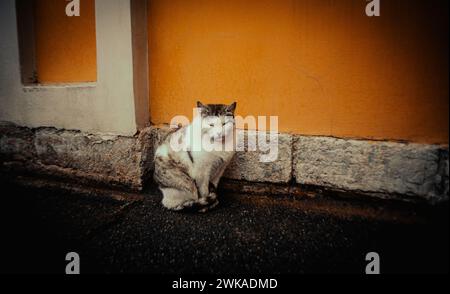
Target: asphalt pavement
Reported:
[(120, 232)]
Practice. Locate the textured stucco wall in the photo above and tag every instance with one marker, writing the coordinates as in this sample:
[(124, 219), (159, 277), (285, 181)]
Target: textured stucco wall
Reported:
[(322, 66)]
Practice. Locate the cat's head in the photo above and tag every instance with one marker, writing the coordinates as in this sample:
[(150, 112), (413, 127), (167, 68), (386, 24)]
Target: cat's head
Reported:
[(217, 119)]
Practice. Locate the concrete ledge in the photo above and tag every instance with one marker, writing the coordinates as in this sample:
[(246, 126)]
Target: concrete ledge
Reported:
[(246, 164), (413, 170), (114, 160), (390, 170), (16, 143)]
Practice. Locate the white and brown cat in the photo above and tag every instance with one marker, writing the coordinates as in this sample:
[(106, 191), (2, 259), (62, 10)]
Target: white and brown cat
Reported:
[(188, 177)]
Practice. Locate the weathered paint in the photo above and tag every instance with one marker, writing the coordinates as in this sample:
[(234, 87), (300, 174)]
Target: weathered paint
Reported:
[(322, 66), (65, 46)]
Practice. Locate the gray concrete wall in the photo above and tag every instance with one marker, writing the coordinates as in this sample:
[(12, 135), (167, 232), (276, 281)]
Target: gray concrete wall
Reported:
[(381, 169)]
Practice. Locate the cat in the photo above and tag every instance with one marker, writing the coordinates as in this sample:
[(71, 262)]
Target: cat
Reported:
[(188, 177)]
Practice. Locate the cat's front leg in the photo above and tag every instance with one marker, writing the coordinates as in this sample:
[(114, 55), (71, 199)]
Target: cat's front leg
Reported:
[(207, 192), (215, 179), (203, 187)]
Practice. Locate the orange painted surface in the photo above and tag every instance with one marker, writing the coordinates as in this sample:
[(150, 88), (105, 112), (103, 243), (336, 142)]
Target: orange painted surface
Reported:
[(322, 66), (65, 46)]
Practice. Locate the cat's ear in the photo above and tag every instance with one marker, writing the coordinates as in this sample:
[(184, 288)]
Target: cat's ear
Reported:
[(200, 105), (231, 108)]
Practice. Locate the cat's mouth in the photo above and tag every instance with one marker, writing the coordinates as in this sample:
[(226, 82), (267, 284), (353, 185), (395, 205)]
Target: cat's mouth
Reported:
[(219, 139)]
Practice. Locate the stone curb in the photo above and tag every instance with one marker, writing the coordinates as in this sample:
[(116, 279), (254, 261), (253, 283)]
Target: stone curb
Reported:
[(417, 171)]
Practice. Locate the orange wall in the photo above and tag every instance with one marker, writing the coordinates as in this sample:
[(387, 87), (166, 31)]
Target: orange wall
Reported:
[(322, 66), (65, 46)]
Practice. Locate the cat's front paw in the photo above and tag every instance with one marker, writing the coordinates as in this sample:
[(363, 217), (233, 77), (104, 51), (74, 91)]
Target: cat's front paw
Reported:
[(212, 197), (209, 207)]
